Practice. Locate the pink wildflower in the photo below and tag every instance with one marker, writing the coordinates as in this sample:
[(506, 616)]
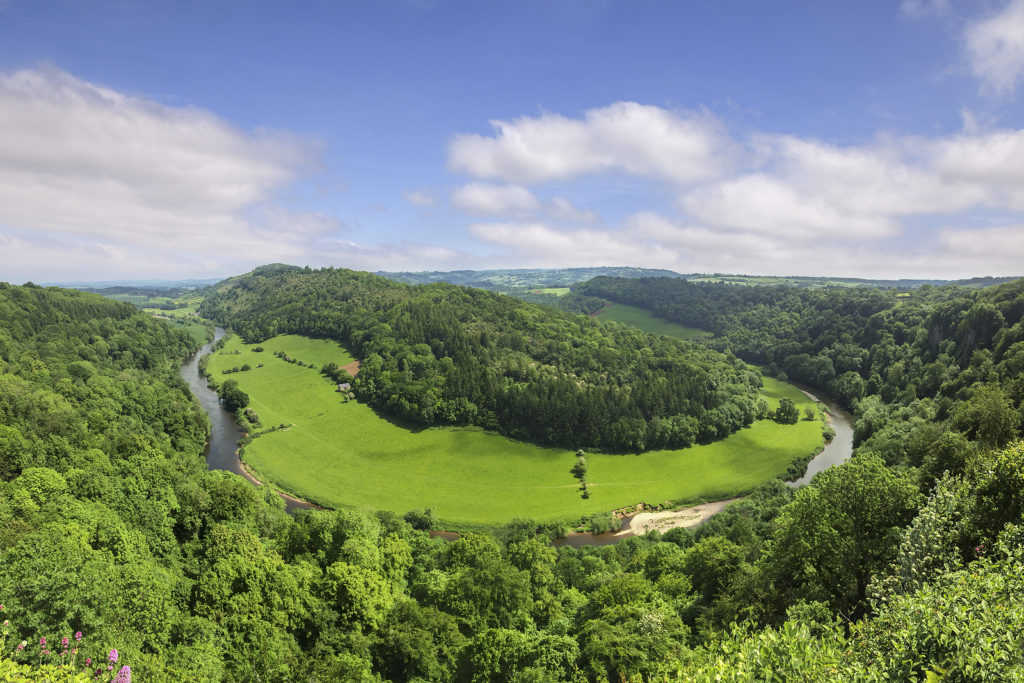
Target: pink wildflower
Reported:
[(88, 661), (42, 641), (78, 635), (64, 641), (113, 657)]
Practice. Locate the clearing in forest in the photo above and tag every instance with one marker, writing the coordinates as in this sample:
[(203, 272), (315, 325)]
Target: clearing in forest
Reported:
[(648, 322)]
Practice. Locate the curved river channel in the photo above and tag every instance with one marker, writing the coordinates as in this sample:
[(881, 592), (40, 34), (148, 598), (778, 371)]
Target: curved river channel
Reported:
[(222, 447)]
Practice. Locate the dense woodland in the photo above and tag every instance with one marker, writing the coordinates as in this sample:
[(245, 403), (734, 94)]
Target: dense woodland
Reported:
[(443, 354), (906, 562)]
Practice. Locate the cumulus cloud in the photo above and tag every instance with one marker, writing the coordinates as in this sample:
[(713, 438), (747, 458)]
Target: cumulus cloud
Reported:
[(562, 209), (129, 178), (680, 147), (80, 158), (995, 48), (652, 240), (785, 205), (486, 198), (808, 187)]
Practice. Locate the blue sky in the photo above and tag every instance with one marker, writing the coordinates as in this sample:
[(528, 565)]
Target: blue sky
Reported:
[(195, 139)]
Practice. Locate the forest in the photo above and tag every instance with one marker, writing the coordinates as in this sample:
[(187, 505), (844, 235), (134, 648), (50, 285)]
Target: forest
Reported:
[(444, 354), (906, 563)]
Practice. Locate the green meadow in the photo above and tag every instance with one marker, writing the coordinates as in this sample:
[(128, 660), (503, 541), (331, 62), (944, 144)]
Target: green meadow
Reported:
[(339, 452), (647, 321)]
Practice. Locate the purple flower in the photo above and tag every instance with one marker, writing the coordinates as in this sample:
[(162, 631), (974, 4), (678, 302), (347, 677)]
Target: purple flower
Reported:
[(124, 675), (78, 635), (64, 641), (113, 657)]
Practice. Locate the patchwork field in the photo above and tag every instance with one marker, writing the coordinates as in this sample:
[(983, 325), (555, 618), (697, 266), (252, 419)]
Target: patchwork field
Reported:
[(337, 452), (647, 321)]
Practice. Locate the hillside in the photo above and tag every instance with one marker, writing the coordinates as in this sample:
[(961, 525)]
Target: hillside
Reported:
[(442, 354)]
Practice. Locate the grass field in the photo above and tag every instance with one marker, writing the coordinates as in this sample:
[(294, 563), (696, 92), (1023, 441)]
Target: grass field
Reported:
[(647, 321), (340, 453), (556, 291), (197, 330)]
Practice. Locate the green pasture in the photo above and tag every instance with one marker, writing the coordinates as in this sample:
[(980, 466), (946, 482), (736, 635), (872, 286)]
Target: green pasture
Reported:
[(555, 291), (337, 452), (197, 330), (648, 322)]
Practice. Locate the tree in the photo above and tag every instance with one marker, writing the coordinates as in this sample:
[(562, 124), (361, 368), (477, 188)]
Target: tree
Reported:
[(787, 412), (988, 417), (837, 533), (233, 397)]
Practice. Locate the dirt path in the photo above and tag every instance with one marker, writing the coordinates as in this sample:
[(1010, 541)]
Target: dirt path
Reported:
[(247, 473)]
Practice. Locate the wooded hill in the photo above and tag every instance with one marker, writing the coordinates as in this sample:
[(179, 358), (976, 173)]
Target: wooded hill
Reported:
[(443, 354)]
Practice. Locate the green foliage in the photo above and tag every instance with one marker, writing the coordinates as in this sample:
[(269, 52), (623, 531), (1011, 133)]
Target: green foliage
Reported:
[(233, 397), (110, 524), (787, 412), (836, 534), (441, 354)]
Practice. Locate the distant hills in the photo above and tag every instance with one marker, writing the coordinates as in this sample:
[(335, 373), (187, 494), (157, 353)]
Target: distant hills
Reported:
[(524, 277), (534, 278), (529, 278)]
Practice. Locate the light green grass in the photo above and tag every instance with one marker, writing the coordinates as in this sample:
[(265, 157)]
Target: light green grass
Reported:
[(648, 322), (197, 330), (341, 453), (556, 291)]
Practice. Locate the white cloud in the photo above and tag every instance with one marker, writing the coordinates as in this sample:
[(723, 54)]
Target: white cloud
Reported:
[(992, 164), (562, 209), (419, 197), (515, 201), (80, 159), (789, 207), (625, 136), (995, 48), (760, 203), (651, 240), (489, 199)]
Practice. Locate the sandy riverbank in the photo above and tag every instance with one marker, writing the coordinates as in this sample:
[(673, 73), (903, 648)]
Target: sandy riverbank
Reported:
[(642, 522)]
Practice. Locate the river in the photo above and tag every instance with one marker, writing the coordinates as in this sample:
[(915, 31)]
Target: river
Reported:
[(222, 446), (835, 452)]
